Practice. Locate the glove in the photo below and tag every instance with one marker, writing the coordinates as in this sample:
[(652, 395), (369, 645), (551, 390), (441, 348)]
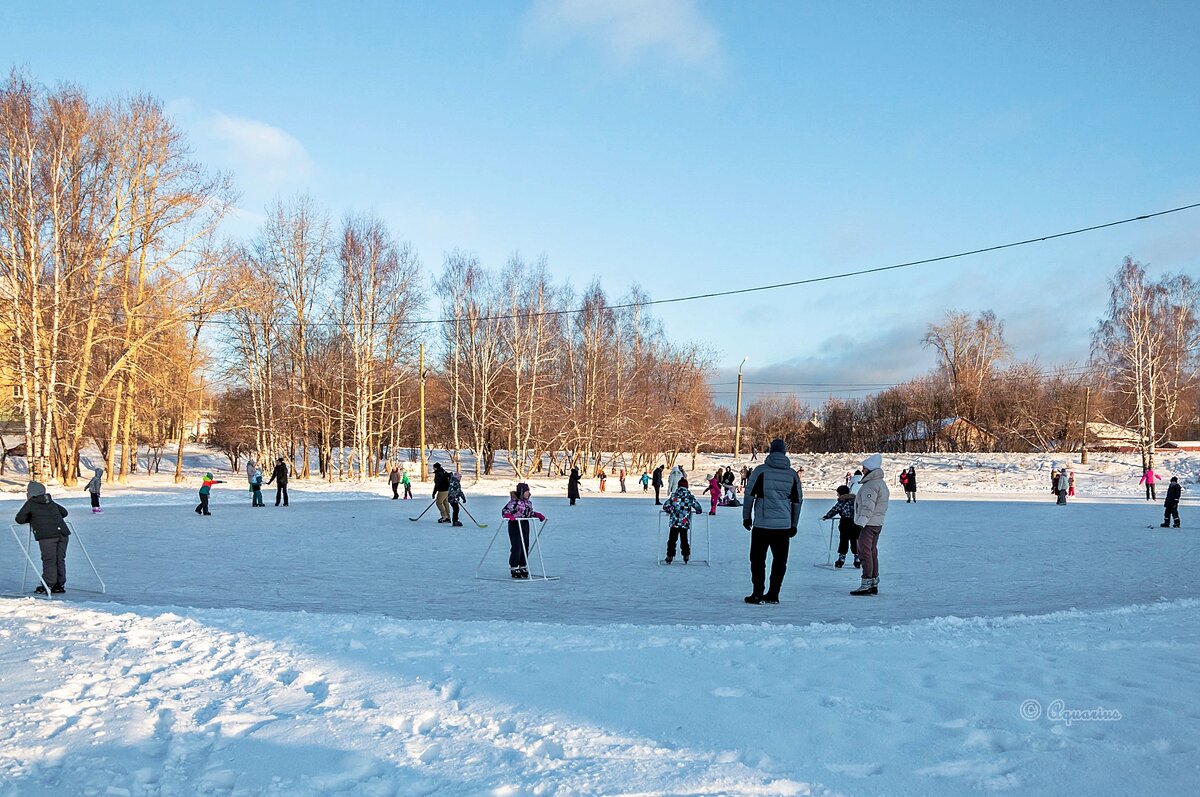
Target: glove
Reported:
[(792, 531), (509, 517), (748, 525), (540, 516)]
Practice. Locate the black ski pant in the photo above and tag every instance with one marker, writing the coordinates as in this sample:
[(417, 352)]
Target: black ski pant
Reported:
[(680, 534), (281, 492), (408, 491), (202, 507), (848, 537), (1172, 511), (454, 511), (776, 541), (657, 487), (518, 543), (395, 490), (95, 500), (54, 561)]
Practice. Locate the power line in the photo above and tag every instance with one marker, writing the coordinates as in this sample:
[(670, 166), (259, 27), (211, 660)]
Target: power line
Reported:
[(778, 285)]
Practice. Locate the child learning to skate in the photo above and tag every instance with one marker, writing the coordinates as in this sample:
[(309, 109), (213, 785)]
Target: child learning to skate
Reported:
[(844, 510), (679, 508), (517, 512)]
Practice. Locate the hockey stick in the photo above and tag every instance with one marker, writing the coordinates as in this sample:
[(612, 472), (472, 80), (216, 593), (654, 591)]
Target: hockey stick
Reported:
[(418, 517), (463, 507)]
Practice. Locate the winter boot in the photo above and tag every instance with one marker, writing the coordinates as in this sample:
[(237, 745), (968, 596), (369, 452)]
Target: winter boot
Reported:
[(770, 597), (685, 559), (40, 590), (58, 590), (1164, 525), (456, 524), (841, 561), (755, 598), (668, 560), (866, 588)]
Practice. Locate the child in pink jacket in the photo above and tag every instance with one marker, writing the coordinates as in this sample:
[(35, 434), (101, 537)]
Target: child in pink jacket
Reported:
[(1148, 479), (714, 488)]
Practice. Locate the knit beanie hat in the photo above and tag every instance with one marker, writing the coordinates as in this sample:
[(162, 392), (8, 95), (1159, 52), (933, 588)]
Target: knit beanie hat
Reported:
[(873, 462), (34, 489), (683, 483), (778, 446)]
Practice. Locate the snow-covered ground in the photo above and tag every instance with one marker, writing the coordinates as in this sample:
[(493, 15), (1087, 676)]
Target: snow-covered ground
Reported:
[(336, 647)]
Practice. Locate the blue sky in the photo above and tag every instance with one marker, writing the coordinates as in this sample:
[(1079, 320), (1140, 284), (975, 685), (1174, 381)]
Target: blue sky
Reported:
[(695, 146)]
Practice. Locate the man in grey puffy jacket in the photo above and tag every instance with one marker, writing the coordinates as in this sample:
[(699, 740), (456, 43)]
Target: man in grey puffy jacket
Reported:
[(869, 509), (771, 514)]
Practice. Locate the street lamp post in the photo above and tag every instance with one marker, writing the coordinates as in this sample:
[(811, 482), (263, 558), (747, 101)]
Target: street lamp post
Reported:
[(421, 389), (737, 434)]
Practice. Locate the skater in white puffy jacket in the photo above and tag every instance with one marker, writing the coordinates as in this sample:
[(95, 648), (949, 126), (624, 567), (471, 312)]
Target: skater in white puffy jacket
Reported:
[(870, 506), (673, 480)]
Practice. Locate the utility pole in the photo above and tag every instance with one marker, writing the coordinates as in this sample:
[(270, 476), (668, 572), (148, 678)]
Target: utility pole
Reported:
[(421, 389), (1087, 397), (737, 434)]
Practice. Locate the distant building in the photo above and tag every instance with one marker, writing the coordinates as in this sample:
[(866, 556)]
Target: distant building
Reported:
[(947, 434)]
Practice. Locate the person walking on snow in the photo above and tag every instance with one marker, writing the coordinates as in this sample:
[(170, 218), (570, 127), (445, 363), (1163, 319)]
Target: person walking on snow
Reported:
[(714, 487), (407, 482), (441, 492), (517, 512), (45, 518), (93, 488), (280, 477), (455, 496), (622, 477), (1063, 485), (1174, 493), (205, 487), (848, 539), (771, 514), (602, 476), (658, 483), (573, 486), (1148, 479), (679, 509), (870, 506)]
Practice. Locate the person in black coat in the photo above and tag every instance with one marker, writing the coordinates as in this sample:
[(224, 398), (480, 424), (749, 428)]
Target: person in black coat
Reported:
[(46, 519), (1174, 493), (441, 492), (280, 477), (573, 486), (910, 485), (657, 482)]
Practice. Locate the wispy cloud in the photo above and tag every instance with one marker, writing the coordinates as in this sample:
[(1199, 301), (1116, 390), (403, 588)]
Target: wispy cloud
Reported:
[(674, 30), (268, 153)]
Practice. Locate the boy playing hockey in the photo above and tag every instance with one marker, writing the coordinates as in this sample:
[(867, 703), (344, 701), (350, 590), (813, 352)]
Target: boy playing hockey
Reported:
[(844, 509), (679, 508)]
